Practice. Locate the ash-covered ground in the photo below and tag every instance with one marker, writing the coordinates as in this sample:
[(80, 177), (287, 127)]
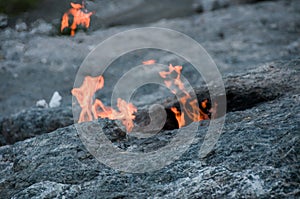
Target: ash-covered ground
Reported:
[(256, 46)]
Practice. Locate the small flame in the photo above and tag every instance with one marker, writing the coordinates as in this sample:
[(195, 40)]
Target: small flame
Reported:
[(84, 95), (149, 62), (179, 117), (80, 17), (125, 113), (91, 109), (190, 108)]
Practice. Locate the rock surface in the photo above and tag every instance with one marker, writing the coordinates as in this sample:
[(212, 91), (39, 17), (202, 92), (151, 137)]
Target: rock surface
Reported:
[(32, 122), (237, 38), (257, 156)]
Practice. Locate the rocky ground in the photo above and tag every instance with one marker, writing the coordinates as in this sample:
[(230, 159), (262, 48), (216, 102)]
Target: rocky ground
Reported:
[(254, 45)]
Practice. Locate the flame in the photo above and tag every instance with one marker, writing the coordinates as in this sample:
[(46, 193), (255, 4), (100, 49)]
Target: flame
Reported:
[(149, 62), (125, 113), (179, 117), (189, 106), (84, 95), (80, 17), (91, 109)]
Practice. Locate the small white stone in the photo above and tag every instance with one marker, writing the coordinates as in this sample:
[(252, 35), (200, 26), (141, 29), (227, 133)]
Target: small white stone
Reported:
[(55, 100), (42, 103)]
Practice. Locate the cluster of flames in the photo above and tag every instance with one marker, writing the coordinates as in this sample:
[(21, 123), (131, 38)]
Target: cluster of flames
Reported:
[(93, 109), (189, 105), (80, 16)]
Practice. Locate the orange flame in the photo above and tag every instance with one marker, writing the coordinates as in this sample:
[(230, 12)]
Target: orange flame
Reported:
[(80, 17), (189, 106), (92, 110), (149, 62), (125, 113), (179, 117), (84, 95)]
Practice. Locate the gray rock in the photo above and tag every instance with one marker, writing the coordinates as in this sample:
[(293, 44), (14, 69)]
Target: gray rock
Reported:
[(42, 27), (207, 5), (210, 5), (21, 26), (243, 91), (257, 156), (32, 122), (15, 50)]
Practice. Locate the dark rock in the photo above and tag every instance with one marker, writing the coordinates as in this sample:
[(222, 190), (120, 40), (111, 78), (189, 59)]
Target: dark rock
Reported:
[(16, 6), (32, 122), (211, 5), (3, 21), (126, 12)]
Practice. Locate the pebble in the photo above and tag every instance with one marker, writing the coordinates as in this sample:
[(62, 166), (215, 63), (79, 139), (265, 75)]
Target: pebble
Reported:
[(42, 103), (55, 100)]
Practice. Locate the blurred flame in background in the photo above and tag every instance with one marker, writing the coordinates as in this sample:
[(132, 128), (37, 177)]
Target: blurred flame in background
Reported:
[(80, 17), (149, 62)]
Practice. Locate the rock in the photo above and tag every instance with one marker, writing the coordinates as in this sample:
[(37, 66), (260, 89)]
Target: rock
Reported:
[(233, 50), (42, 104), (21, 26), (294, 46), (15, 50), (3, 21), (256, 157), (32, 122), (243, 91), (41, 27), (208, 5), (55, 100)]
